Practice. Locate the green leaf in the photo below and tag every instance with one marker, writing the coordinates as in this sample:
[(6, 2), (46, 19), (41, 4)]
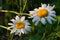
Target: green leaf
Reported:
[(58, 17), (58, 34)]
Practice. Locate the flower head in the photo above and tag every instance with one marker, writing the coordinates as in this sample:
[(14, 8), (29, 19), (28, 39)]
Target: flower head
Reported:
[(19, 25), (42, 13)]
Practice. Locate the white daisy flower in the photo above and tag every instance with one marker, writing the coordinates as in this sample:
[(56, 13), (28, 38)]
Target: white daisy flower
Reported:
[(42, 13), (19, 25)]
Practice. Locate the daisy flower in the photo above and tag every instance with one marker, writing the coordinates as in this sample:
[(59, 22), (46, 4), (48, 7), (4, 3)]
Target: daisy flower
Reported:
[(43, 13), (19, 25)]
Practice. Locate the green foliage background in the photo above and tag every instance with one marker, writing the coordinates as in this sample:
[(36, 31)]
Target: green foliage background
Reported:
[(42, 32)]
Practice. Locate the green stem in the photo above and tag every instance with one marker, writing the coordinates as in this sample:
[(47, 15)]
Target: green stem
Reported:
[(24, 5), (8, 11), (43, 36), (19, 37), (25, 14), (20, 6), (11, 37), (15, 12), (4, 27)]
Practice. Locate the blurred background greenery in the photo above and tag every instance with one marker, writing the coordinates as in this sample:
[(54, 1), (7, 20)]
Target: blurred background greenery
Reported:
[(52, 31)]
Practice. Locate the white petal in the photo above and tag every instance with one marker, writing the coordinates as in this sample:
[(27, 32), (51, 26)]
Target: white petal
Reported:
[(52, 15), (37, 22), (22, 18), (13, 26), (25, 31), (9, 27), (43, 21), (27, 28), (26, 22), (17, 18), (13, 30), (22, 30), (52, 18), (52, 12), (13, 20), (52, 7), (31, 12), (49, 20), (43, 5), (36, 9), (35, 19), (10, 24), (17, 32), (48, 7), (32, 16)]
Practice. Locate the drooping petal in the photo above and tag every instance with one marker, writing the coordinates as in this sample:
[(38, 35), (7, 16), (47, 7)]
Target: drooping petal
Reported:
[(49, 20), (36, 23), (52, 12), (26, 22), (52, 18), (35, 19), (27, 28), (53, 15), (43, 21)]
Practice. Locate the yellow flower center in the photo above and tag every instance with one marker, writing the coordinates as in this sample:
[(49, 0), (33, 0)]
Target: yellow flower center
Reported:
[(20, 25), (42, 13)]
